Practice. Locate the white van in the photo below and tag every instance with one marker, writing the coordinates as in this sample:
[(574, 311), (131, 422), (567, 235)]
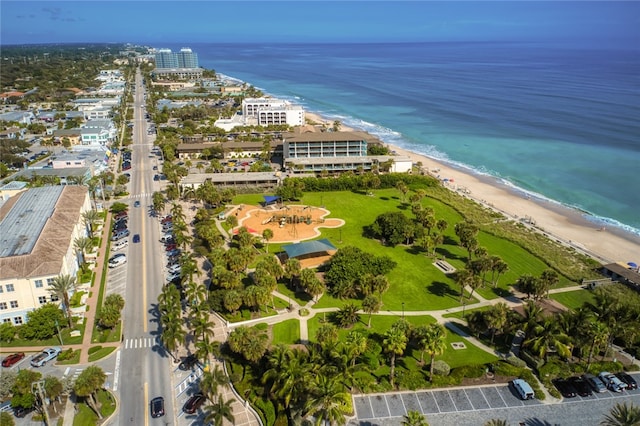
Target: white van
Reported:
[(523, 389), (119, 245)]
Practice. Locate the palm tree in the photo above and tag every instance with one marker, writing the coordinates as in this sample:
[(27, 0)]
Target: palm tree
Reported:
[(83, 245), (420, 335), (549, 336), (88, 383), (61, 286), (216, 412), (172, 333), (370, 305), (414, 418), (622, 415), (355, 345), (202, 325), (347, 316), (394, 343), (267, 234), (329, 401), (90, 217), (436, 344), (286, 376), (599, 334), (496, 422), (210, 382), (497, 318)]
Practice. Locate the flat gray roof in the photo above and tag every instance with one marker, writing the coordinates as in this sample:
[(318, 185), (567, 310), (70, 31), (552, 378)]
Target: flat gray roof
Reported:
[(229, 177), (22, 226)]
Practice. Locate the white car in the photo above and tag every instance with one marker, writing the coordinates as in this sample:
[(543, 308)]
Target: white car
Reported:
[(117, 260), (119, 245), (174, 269), (612, 382)]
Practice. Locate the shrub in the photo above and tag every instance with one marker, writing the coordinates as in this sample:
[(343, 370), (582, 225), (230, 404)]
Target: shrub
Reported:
[(516, 362), (470, 371), (410, 379), (65, 355), (441, 368)]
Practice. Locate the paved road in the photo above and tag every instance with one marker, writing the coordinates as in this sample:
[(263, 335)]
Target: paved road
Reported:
[(144, 365)]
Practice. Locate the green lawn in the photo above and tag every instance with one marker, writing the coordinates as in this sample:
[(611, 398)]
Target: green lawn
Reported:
[(574, 299), (381, 323), (286, 332), (98, 352), (85, 416)]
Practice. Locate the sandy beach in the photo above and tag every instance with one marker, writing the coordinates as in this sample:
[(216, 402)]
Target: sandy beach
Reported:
[(564, 224)]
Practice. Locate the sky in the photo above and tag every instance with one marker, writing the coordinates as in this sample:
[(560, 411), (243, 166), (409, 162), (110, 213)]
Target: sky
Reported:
[(156, 22)]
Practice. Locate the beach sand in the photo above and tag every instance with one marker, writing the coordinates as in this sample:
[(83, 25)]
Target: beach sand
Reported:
[(560, 223)]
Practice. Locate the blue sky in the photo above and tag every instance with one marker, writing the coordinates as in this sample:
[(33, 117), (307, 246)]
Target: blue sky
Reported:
[(157, 22)]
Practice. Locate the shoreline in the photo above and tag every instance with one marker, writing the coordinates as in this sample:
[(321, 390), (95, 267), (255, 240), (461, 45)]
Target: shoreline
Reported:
[(564, 224)]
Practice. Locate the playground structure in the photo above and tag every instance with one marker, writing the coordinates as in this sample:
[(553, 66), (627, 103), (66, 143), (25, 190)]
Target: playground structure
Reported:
[(288, 222)]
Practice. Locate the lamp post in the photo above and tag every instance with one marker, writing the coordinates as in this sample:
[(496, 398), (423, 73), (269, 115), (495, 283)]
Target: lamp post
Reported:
[(402, 310)]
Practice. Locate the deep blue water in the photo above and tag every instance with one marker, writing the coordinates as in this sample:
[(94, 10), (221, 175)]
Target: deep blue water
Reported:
[(560, 123)]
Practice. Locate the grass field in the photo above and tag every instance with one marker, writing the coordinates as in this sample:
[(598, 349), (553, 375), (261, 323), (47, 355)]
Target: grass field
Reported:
[(415, 281), (574, 299)]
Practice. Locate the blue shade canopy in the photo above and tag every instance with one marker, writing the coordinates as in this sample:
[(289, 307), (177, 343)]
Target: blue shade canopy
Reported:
[(268, 199), (308, 247)]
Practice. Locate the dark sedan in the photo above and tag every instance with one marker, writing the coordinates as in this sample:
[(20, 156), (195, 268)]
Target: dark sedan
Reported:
[(157, 407), (565, 387), (581, 386), (628, 379), (192, 405)]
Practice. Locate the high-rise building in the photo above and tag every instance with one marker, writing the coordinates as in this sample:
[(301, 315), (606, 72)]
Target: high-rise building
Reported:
[(186, 58)]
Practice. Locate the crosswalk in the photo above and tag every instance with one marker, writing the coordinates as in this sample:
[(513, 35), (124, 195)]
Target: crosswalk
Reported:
[(141, 195), (140, 342)]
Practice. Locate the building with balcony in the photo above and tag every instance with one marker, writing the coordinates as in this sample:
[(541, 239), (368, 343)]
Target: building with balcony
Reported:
[(38, 228)]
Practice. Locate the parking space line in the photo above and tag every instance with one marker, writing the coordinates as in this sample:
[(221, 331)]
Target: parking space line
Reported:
[(452, 400), (387, 404), (420, 404), (468, 399), (505, 402), (436, 402)]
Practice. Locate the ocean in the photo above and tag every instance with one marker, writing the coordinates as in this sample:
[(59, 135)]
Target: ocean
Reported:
[(559, 123)]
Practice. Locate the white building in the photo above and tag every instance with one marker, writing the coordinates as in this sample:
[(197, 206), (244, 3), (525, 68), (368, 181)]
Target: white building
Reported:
[(271, 111), (37, 234)]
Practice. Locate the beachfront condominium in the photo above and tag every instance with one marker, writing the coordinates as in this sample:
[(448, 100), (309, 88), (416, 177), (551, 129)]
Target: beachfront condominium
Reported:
[(38, 231), (271, 111), (185, 58)]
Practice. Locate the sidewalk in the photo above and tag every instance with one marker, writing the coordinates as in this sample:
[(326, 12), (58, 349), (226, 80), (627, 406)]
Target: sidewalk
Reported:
[(92, 301)]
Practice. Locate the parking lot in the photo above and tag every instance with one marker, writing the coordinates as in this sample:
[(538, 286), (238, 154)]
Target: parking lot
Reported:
[(457, 400)]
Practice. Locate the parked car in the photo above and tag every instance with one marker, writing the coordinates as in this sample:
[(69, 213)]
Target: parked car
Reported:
[(117, 260), (120, 235), (193, 403), (565, 387), (166, 219), (170, 247), (595, 383), (627, 379), (581, 386), (188, 362), (612, 382), (174, 252), (173, 277), (45, 356), (118, 245), (174, 269), (157, 407), (21, 412), (523, 389), (12, 359)]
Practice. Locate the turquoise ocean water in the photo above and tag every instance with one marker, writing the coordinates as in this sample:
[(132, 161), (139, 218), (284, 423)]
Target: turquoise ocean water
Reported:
[(559, 123)]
